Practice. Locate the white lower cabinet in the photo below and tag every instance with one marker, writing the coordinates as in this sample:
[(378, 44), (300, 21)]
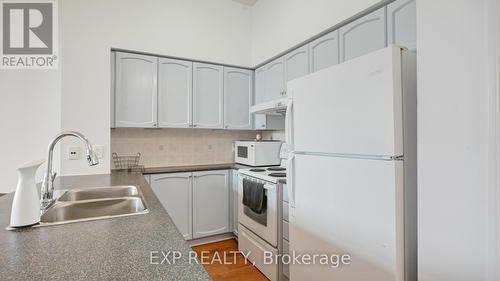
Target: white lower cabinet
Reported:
[(210, 203), (175, 194), (234, 201), (197, 202)]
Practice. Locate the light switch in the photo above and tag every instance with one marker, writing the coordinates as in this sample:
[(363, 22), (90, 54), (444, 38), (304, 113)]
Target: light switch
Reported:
[(74, 153)]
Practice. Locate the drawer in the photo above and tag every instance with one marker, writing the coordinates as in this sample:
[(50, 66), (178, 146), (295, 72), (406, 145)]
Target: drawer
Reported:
[(286, 210), (285, 193), (255, 247), (286, 251), (285, 230)]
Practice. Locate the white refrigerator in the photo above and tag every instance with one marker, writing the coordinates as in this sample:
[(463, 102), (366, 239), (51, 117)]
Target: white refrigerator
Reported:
[(352, 171)]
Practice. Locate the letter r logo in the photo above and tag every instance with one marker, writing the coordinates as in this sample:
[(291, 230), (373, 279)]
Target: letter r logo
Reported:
[(27, 28)]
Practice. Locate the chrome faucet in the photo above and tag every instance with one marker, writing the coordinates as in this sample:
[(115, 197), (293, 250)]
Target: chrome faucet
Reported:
[(47, 192)]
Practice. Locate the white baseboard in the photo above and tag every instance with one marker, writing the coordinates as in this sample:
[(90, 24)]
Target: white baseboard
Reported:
[(211, 239)]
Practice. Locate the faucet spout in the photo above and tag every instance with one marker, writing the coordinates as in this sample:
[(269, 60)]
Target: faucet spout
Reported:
[(47, 191)]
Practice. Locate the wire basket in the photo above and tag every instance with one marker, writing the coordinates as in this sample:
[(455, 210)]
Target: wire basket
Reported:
[(127, 163)]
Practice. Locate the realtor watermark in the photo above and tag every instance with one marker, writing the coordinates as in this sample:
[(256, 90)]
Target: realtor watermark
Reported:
[(29, 34), (266, 258)]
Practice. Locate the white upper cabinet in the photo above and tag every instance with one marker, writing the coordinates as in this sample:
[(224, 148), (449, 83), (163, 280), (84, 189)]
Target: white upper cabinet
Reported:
[(260, 84), (210, 203), (324, 51), (207, 95), (401, 23), (275, 80), (175, 194), (269, 122), (262, 121), (238, 89), (296, 64), (175, 82), (136, 90), (363, 36)]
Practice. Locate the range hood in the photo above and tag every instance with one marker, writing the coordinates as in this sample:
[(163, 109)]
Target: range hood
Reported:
[(273, 107)]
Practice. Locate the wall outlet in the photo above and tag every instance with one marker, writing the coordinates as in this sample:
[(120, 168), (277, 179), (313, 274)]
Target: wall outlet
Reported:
[(99, 151), (74, 153)]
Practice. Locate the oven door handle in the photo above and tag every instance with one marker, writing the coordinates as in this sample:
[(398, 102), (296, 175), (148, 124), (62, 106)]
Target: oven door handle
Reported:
[(269, 186)]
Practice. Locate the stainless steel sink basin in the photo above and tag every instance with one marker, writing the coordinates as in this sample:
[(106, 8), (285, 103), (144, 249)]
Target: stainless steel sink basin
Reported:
[(73, 211), (99, 193), (95, 203)]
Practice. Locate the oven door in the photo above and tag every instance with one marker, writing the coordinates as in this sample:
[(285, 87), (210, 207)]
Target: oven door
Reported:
[(269, 230)]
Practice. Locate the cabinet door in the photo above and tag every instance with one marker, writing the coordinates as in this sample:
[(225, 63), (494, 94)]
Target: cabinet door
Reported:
[(210, 203), (175, 79), (401, 23), (136, 90), (363, 36), (269, 122), (175, 194), (238, 89), (275, 80), (207, 95), (260, 85), (234, 200), (112, 89), (296, 64), (324, 51)]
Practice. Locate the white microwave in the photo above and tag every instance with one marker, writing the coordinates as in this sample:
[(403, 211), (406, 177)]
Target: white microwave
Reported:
[(257, 153)]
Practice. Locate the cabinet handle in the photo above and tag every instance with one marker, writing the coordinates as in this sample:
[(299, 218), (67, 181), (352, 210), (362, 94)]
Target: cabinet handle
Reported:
[(194, 125), (154, 125), (262, 125), (226, 126)]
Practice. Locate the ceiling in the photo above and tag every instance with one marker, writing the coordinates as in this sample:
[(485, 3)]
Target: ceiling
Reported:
[(249, 3)]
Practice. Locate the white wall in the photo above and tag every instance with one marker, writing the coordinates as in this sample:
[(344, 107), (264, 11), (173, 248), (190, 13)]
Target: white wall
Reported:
[(456, 122), (30, 117), (278, 25), (215, 30)]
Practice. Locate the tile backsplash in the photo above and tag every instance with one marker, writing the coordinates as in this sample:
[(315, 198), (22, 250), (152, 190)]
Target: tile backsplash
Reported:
[(177, 147)]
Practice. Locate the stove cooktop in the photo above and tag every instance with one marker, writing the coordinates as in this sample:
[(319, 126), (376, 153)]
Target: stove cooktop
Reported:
[(274, 174)]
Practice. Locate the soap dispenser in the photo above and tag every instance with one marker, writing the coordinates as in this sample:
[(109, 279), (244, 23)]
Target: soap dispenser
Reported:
[(26, 205)]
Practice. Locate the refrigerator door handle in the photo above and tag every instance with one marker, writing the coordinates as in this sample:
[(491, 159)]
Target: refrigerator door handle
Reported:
[(289, 181), (289, 125)]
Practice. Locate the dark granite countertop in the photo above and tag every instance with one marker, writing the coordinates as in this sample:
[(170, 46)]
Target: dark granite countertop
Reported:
[(110, 249), (193, 168)]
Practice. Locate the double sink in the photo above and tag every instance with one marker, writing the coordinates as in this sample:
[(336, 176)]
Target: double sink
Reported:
[(95, 203)]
